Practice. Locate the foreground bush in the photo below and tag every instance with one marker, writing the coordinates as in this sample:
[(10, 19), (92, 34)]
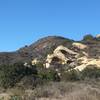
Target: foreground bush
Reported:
[(91, 72), (72, 75), (38, 75), (48, 75), (11, 74)]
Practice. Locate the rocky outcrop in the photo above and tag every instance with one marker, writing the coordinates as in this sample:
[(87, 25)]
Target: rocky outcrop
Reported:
[(98, 36), (84, 62), (79, 45), (61, 55), (64, 50)]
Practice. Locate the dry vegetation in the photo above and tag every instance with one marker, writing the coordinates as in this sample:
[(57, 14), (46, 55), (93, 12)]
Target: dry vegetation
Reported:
[(83, 90), (73, 85)]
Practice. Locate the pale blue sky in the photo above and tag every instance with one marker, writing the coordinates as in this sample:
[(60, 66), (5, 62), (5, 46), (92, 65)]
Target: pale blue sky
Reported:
[(24, 21)]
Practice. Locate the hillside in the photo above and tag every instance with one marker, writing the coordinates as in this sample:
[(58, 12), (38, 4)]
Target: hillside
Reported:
[(53, 68), (39, 50), (45, 46)]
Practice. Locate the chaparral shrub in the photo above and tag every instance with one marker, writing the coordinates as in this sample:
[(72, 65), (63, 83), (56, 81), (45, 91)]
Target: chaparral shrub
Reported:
[(11, 74)]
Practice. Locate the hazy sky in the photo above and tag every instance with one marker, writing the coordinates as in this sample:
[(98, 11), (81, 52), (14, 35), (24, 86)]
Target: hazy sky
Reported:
[(24, 21)]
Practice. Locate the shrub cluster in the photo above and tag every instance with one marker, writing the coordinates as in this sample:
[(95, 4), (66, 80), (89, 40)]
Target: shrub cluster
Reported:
[(88, 37), (12, 74), (90, 72), (72, 75)]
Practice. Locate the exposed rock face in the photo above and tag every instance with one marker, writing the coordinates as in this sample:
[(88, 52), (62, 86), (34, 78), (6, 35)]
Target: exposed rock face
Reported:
[(98, 36), (64, 50), (87, 61), (61, 55), (79, 45)]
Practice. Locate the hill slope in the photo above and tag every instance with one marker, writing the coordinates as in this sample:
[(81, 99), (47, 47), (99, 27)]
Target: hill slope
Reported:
[(39, 50)]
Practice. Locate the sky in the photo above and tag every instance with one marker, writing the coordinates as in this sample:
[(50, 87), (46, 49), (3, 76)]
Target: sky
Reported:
[(22, 22)]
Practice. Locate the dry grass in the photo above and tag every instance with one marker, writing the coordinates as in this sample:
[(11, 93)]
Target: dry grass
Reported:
[(67, 91), (81, 90)]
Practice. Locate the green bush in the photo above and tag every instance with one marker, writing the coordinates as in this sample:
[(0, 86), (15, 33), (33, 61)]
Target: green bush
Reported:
[(48, 74), (11, 74), (72, 75), (90, 72), (38, 75), (16, 98), (88, 37)]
